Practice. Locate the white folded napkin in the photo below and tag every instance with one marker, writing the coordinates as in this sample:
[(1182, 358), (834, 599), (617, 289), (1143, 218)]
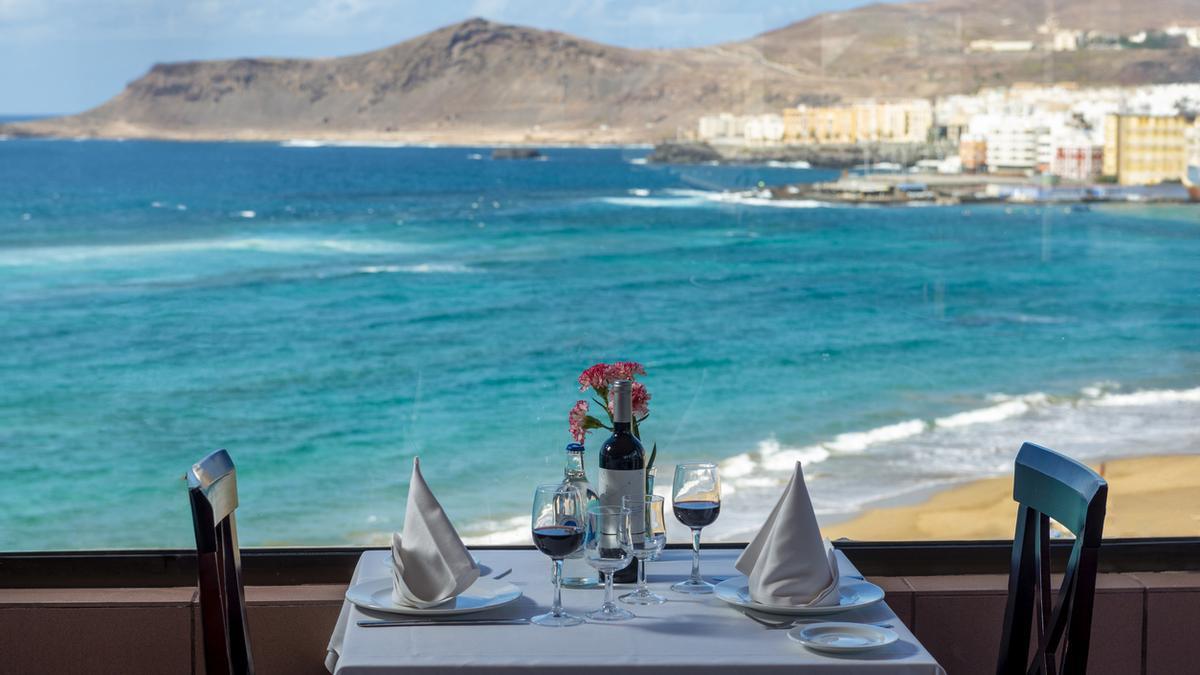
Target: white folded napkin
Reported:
[(788, 563), (430, 563)]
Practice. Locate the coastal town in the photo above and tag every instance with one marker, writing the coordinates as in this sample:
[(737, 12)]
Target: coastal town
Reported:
[(1025, 142)]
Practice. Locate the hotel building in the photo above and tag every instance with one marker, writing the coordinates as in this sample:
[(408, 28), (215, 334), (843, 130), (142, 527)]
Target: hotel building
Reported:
[(1145, 149)]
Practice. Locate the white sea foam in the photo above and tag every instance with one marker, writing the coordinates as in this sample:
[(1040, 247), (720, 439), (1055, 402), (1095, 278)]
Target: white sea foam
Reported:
[(654, 202), (297, 245), (996, 413), (777, 457), (505, 532), (639, 192), (858, 441), (685, 198), (247, 214), (1149, 397), (421, 268)]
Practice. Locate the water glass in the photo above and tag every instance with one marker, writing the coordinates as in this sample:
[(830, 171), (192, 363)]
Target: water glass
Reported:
[(646, 546), (607, 546)]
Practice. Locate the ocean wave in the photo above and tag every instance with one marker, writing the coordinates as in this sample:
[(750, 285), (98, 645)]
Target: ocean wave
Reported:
[(777, 457), (420, 268), (855, 470), (685, 198), (295, 245), (996, 413), (505, 532), (1148, 397), (858, 441)]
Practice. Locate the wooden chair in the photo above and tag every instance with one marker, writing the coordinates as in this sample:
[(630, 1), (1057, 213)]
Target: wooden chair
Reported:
[(1049, 485), (212, 488)]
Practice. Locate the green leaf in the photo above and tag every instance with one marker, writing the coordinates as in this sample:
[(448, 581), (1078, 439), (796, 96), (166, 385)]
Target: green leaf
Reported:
[(650, 465), (590, 422)]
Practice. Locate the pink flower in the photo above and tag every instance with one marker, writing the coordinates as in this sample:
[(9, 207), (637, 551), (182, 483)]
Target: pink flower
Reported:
[(641, 399), (595, 377), (625, 370), (575, 420)]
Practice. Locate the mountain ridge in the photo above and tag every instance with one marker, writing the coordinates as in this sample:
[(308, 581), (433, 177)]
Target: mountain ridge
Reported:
[(479, 81)]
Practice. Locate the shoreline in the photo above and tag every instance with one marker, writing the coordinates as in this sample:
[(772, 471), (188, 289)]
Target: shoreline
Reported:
[(1149, 496), (50, 129)]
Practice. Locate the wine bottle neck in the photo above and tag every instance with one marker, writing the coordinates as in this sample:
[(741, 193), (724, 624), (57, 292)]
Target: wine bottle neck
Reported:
[(622, 403), (622, 428)]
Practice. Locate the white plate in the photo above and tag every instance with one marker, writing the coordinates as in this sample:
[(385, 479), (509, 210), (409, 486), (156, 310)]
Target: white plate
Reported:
[(852, 594), (484, 594), (835, 636)]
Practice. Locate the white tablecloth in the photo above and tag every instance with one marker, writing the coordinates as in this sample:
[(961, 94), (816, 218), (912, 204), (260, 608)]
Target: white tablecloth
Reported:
[(688, 634)]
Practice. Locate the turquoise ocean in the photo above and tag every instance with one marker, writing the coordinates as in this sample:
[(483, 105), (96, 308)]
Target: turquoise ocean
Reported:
[(328, 312)]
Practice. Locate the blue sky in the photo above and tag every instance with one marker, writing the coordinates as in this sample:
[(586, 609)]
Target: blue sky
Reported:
[(59, 56)]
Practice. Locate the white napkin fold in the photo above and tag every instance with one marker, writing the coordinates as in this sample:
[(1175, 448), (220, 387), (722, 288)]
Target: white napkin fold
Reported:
[(430, 563), (788, 563)]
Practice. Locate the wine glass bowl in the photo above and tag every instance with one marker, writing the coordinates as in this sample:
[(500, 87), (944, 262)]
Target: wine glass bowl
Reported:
[(696, 501), (608, 546), (647, 545), (558, 514)]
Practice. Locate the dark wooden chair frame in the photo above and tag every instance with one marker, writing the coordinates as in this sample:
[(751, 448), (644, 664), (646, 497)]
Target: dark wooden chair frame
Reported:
[(212, 490), (1049, 485)]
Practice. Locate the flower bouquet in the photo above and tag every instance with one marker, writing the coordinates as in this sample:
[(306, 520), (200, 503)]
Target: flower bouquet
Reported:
[(599, 378)]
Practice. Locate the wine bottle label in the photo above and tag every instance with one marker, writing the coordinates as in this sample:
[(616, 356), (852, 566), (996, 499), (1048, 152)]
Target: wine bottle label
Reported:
[(615, 484)]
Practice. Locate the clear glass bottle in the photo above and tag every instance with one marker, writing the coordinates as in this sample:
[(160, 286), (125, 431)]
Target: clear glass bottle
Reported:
[(576, 572)]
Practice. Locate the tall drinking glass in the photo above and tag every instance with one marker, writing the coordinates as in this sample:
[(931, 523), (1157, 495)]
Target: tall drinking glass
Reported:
[(607, 546), (696, 500), (558, 513), (647, 545)]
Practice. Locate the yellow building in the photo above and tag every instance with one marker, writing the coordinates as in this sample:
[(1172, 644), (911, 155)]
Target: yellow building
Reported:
[(1145, 149), (826, 124), (904, 121)]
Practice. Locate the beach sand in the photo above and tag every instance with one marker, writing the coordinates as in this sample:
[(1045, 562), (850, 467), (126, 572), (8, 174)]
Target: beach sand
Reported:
[(1148, 497)]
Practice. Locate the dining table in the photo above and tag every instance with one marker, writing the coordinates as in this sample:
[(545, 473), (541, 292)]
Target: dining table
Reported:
[(687, 634)]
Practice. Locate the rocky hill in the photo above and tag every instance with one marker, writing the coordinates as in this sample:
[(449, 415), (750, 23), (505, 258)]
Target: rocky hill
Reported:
[(483, 82)]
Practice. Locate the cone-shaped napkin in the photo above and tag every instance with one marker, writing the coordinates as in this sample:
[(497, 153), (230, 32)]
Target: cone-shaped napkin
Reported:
[(430, 563), (787, 562)]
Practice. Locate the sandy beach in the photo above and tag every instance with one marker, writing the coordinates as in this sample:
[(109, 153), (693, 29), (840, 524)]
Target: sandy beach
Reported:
[(1148, 497)]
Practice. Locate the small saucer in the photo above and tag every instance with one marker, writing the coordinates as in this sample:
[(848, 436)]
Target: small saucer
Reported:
[(841, 637)]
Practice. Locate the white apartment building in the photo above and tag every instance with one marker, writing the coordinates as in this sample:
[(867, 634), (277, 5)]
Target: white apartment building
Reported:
[(1014, 142), (766, 128), (724, 125)]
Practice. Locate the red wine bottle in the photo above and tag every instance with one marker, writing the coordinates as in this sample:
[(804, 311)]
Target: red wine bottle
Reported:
[(623, 466)]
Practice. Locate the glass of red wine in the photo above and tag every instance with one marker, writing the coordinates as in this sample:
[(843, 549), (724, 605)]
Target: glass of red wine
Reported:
[(696, 500), (558, 522)]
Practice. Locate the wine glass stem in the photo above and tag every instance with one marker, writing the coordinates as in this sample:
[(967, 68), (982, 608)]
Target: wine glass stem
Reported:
[(608, 589), (642, 576), (558, 566), (696, 555)]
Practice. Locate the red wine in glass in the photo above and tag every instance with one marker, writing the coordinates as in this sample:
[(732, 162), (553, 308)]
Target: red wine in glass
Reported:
[(697, 514), (558, 541)]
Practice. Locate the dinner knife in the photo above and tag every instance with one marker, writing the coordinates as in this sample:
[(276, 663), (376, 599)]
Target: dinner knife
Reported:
[(449, 622)]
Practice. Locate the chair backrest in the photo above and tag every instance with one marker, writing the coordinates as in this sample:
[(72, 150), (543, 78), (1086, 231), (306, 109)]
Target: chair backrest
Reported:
[(1049, 485), (212, 489)]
